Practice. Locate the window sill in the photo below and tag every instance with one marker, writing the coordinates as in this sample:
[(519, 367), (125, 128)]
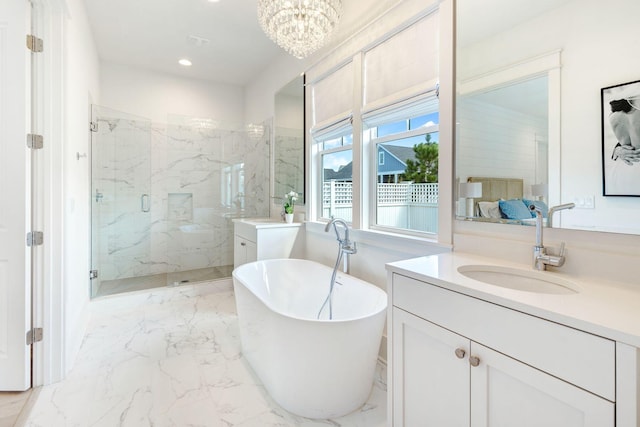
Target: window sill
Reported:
[(393, 242)]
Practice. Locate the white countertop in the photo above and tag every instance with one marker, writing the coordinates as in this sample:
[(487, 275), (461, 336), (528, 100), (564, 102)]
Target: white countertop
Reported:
[(606, 308)]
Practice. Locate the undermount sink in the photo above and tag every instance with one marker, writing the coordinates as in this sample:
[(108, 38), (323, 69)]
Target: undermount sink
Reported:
[(521, 280)]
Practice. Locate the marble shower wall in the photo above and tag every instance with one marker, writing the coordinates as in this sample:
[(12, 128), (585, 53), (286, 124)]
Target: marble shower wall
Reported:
[(200, 177)]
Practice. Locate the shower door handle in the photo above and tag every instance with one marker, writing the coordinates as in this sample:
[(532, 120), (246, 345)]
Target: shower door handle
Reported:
[(144, 203)]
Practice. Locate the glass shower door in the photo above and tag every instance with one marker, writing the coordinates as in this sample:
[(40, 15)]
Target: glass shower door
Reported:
[(120, 198)]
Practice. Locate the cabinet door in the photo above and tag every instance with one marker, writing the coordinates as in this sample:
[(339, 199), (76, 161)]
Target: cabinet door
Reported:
[(430, 381), (251, 253), (507, 393), (239, 251)]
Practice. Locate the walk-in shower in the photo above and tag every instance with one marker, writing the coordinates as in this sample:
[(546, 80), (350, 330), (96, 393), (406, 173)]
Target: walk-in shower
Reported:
[(163, 196)]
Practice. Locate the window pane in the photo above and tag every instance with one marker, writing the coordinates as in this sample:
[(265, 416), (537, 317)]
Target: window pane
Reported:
[(332, 143), (427, 119), (337, 185), (337, 142), (407, 184), (391, 128)]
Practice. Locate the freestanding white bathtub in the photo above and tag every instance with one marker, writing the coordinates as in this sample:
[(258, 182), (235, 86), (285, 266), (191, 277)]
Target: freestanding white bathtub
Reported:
[(314, 368)]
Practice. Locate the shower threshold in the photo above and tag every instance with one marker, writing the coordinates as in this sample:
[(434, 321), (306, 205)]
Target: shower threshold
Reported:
[(131, 284)]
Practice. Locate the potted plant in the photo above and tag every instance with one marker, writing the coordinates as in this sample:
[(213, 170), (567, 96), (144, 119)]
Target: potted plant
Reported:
[(289, 203)]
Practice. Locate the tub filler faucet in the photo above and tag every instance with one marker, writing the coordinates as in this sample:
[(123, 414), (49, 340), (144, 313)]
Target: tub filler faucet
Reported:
[(345, 246), (540, 256)]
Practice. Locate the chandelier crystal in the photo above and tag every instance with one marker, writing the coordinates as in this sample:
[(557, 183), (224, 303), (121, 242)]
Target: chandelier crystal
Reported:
[(255, 131), (299, 26)]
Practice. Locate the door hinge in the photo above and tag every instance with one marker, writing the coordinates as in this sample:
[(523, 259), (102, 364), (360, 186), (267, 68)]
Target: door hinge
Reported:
[(93, 274), (35, 238), (35, 141), (34, 335), (93, 126), (34, 44)]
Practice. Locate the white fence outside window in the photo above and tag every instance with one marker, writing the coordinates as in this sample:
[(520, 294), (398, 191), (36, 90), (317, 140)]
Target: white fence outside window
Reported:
[(404, 205)]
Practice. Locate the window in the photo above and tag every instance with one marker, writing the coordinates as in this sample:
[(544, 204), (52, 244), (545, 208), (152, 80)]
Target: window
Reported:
[(336, 169), (405, 193), (385, 175)]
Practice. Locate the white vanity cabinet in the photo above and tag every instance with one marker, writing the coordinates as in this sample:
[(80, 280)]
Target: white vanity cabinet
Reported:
[(244, 250), (255, 240), (456, 360)]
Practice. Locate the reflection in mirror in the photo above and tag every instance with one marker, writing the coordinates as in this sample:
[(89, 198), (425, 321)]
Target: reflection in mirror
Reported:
[(289, 139), (511, 131), (503, 149)]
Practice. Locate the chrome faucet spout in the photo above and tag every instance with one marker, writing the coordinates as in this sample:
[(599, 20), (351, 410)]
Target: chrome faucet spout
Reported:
[(335, 222), (555, 209)]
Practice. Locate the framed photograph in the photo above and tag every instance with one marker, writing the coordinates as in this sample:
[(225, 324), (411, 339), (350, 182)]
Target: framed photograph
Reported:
[(621, 140)]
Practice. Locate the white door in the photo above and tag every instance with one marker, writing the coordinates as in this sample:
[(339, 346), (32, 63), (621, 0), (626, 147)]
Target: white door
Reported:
[(430, 374), (15, 287), (507, 393)]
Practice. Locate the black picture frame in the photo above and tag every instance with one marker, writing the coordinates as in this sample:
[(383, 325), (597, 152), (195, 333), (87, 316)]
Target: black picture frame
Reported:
[(620, 170)]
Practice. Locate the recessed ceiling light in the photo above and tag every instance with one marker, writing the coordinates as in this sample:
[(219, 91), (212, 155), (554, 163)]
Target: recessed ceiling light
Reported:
[(184, 62), (214, 1)]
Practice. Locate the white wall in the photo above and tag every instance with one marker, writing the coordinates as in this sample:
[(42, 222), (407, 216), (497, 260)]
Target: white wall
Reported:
[(81, 86), (156, 95)]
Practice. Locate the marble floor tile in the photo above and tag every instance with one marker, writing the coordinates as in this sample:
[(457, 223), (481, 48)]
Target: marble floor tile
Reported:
[(171, 357)]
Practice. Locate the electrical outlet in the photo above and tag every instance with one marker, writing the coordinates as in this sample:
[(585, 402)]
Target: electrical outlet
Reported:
[(589, 202), (584, 202)]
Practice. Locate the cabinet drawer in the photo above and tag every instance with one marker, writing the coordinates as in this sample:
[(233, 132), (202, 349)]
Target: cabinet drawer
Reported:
[(583, 359)]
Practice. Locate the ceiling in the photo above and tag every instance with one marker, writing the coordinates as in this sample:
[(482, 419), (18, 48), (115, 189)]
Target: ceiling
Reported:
[(154, 34)]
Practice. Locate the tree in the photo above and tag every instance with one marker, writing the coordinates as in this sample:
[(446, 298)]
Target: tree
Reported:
[(425, 167)]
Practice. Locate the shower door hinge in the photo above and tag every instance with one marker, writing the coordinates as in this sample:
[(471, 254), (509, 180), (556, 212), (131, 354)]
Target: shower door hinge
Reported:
[(93, 274), (34, 335), (35, 141), (35, 238), (93, 126), (34, 44)]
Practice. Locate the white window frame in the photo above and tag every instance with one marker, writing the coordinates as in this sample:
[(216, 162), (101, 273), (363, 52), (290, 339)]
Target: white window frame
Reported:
[(318, 139)]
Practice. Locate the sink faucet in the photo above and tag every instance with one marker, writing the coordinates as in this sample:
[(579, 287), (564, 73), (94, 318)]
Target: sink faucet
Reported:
[(346, 246), (556, 209), (540, 256)]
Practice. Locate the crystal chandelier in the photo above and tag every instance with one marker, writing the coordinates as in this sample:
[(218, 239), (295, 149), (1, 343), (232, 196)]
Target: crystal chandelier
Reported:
[(299, 26)]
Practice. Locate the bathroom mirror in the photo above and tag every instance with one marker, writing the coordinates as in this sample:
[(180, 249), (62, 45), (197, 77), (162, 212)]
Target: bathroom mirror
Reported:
[(289, 139), (530, 119)]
